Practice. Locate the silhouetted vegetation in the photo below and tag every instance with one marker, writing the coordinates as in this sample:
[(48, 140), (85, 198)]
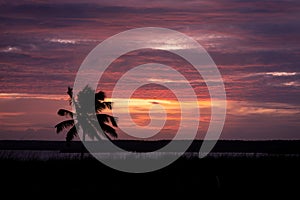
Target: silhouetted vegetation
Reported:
[(275, 172), (188, 177), (84, 115)]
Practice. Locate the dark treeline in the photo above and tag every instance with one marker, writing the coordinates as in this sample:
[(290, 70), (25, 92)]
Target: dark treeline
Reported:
[(272, 146)]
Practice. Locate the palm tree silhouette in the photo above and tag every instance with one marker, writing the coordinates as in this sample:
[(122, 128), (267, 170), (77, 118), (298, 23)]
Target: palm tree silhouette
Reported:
[(106, 122)]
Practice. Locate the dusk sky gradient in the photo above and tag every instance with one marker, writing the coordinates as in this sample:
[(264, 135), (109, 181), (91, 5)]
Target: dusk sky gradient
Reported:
[(255, 44)]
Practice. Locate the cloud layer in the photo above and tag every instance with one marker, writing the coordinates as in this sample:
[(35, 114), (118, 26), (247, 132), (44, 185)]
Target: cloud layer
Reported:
[(255, 44)]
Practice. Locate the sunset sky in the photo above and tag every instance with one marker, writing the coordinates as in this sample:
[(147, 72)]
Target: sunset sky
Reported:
[(254, 43)]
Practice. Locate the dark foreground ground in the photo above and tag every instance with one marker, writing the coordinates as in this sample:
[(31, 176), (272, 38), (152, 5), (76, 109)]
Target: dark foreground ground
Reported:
[(214, 176), (226, 176)]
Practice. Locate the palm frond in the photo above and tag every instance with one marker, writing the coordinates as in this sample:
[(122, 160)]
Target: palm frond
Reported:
[(101, 105), (71, 133), (64, 112), (113, 121), (107, 118), (100, 96), (107, 104), (108, 129), (102, 118), (70, 93), (63, 125)]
